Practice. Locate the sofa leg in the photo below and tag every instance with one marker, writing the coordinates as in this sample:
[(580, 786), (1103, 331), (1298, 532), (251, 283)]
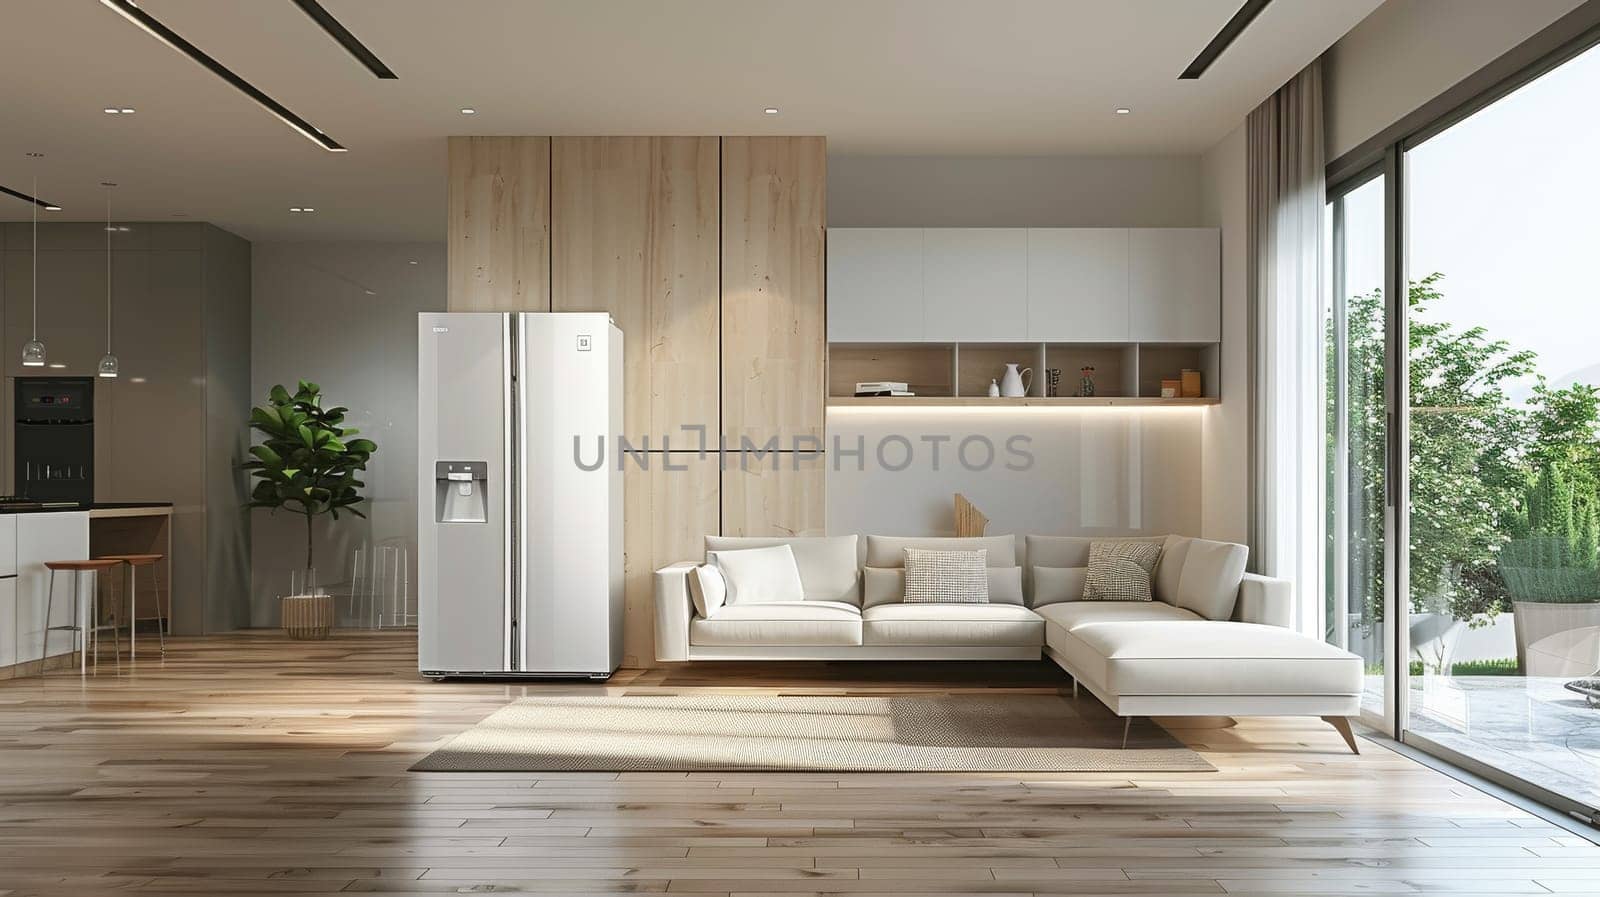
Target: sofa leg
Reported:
[(1127, 723), (1342, 723)]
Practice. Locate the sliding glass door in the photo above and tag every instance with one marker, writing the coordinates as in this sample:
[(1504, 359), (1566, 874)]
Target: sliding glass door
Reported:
[(1463, 533), (1355, 438)]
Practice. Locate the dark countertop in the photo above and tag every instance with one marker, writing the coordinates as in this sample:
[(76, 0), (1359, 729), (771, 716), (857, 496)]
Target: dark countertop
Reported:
[(94, 506)]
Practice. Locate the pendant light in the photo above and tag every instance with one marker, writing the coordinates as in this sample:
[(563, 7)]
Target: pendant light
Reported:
[(108, 362), (33, 349)]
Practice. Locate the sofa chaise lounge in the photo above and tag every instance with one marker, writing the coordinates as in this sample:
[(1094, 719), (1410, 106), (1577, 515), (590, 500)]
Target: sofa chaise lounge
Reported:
[(1215, 641)]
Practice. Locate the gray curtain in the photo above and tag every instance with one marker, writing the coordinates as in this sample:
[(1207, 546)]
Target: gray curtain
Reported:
[(1286, 195)]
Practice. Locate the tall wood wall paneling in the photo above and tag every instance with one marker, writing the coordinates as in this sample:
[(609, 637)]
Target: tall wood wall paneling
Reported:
[(634, 232), (773, 327), (499, 230)]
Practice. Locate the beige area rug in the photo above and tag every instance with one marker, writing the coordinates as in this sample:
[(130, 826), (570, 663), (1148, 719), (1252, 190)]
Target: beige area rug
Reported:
[(722, 732)]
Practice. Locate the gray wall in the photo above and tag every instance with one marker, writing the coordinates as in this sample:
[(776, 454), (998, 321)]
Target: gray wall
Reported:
[(343, 315), (1410, 51), (1226, 444), (162, 430), (1013, 191), (1095, 471)]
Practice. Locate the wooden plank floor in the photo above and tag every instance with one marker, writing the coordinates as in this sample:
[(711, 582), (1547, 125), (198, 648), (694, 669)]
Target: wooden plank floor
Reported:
[(250, 764)]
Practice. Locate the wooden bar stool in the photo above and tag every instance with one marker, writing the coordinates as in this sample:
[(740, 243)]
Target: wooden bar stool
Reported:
[(130, 587), (86, 629)]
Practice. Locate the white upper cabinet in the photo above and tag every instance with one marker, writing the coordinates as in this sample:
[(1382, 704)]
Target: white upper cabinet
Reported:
[(1078, 284), (1175, 284), (874, 284), (975, 284)]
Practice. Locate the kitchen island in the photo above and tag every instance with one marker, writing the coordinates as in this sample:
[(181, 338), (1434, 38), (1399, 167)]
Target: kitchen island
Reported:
[(32, 534)]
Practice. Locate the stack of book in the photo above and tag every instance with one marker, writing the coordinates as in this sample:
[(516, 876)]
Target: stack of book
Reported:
[(883, 388)]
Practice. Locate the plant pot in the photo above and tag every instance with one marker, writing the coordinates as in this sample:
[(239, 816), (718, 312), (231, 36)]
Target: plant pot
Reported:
[(307, 616)]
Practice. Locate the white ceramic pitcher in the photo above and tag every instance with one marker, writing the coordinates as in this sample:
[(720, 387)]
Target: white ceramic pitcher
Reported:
[(1015, 383)]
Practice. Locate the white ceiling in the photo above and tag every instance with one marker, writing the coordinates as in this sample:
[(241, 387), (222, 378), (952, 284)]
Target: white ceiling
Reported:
[(920, 77)]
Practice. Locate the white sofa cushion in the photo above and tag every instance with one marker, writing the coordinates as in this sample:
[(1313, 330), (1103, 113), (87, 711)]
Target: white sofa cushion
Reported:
[(798, 624), (1068, 615), (828, 564), (952, 625), (1207, 657), (887, 585), (760, 575), (890, 551), (708, 589), (1052, 585), (1209, 581), (946, 577)]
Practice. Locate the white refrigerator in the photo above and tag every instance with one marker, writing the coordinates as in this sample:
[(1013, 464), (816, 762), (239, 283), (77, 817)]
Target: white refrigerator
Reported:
[(519, 530)]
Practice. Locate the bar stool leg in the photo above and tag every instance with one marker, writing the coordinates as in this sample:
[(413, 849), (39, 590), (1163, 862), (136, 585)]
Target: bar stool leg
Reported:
[(130, 582), (49, 601), (155, 588)]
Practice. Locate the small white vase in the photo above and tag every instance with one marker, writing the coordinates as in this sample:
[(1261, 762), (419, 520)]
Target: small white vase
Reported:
[(1012, 385), (994, 390)]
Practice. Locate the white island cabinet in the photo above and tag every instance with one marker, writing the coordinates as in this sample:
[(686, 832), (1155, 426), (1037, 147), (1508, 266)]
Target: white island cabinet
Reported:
[(40, 537)]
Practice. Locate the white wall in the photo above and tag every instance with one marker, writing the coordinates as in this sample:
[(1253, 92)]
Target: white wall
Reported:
[(343, 315), (1410, 51), (1226, 434), (1110, 471), (1006, 191)]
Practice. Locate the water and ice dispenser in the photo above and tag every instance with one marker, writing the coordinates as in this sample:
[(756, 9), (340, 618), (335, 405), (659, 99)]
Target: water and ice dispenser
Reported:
[(461, 491)]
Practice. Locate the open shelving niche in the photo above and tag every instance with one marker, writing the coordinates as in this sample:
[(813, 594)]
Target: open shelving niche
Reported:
[(958, 374)]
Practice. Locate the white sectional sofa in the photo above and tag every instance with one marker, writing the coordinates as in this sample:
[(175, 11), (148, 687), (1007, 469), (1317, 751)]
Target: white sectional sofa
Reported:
[(1214, 642)]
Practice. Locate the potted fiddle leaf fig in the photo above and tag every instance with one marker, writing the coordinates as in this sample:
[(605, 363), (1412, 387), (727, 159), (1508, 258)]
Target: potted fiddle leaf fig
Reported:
[(307, 464)]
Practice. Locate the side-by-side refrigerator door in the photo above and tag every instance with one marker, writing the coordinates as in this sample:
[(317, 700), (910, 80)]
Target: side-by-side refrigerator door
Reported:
[(567, 623), (464, 428)]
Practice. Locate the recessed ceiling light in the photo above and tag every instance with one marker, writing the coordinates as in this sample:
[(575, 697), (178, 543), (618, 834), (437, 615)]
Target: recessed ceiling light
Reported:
[(127, 111), (370, 292), (57, 365), (411, 261), (771, 110), (296, 209), (52, 208), (1123, 110), (309, 209), (109, 111), (468, 110)]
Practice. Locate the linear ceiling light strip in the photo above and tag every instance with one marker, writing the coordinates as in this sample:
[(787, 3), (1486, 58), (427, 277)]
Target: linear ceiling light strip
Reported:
[(154, 28), (1229, 33), (48, 206), (350, 42)]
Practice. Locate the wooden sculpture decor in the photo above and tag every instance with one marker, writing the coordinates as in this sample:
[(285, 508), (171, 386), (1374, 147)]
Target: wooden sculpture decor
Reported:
[(969, 520)]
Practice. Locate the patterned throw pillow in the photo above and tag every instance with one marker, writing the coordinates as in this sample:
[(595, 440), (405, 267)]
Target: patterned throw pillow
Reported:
[(1120, 571), (947, 577)]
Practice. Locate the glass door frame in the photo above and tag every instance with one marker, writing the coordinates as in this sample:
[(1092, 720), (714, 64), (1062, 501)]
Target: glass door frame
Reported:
[(1394, 634)]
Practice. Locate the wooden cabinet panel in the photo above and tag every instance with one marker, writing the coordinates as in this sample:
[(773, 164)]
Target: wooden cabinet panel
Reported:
[(499, 230), (634, 232), (875, 284), (975, 284), (669, 509), (1078, 284), (773, 197), (1175, 284), (776, 495)]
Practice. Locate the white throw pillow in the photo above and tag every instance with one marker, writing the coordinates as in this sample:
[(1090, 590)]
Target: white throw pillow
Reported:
[(760, 575), (946, 577), (1053, 585), (1120, 571), (708, 588)]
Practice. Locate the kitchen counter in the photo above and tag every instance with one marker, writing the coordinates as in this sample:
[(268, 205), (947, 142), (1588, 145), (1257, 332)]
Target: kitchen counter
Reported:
[(30, 536), (95, 509)]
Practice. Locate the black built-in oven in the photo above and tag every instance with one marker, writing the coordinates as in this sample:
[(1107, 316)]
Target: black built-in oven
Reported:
[(55, 438)]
